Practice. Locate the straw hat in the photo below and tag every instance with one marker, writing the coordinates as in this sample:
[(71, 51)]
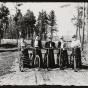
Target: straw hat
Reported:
[(61, 37)]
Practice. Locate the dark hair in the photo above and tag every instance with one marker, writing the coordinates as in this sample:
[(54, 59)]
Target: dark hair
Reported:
[(59, 44), (37, 35), (74, 36)]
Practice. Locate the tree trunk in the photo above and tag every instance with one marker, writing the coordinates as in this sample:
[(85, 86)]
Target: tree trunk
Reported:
[(0, 38), (77, 32), (87, 22), (45, 36), (83, 27), (79, 35), (52, 32), (27, 34)]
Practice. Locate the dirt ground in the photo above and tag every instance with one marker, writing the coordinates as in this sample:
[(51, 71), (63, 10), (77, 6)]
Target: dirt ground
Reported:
[(43, 77)]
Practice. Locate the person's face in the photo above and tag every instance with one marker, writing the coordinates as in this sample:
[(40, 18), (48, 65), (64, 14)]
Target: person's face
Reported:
[(49, 39), (61, 40), (37, 38)]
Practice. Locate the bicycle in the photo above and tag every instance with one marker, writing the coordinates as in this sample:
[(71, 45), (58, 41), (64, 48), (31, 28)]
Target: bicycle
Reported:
[(63, 58), (58, 56), (24, 61), (74, 57), (37, 59), (27, 61), (46, 58)]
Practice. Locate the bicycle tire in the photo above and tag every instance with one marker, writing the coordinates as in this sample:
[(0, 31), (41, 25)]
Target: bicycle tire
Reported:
[(37, 62), (21, 64), (75, 68), (47, 62), (71, 58), (61, 62), (31, 60)]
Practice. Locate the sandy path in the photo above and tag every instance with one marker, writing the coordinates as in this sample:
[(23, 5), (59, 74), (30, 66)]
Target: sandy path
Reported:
[(44, 77)]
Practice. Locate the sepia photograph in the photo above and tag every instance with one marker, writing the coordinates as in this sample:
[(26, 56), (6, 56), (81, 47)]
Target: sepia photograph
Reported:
[(44, 43)]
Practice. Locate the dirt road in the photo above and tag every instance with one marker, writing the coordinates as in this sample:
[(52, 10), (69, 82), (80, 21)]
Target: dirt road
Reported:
[(44, 77)]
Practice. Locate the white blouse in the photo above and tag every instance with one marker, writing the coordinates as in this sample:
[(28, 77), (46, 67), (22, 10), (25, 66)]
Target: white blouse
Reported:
[(36, 43), (62, 43), (75, 43)]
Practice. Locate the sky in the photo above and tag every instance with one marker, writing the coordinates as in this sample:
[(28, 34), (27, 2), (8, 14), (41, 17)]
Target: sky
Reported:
[(63, 15)]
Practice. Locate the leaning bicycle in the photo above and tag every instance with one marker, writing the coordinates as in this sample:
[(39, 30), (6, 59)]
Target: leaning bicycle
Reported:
[(74, 57), (46, 58), (36, 59), (29, 60)]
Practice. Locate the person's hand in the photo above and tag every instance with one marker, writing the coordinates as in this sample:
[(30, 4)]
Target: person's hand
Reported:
[(52, 47), (75, 47)]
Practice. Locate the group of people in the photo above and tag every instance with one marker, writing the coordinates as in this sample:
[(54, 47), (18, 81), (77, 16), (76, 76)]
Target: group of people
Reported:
[(51, 44)]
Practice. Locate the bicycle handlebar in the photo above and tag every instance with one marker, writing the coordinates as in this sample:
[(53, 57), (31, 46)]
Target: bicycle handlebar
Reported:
[(53, 48)]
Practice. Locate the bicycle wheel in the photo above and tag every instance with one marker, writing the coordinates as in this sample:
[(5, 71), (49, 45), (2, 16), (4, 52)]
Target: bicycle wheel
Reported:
[(75, 68), (21, 64), (31, 60), (61, 62), (47, 62), (37, 62), (70, 62)]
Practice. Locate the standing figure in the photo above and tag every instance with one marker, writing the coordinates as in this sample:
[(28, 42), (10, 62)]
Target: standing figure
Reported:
[(64, 54), (24, 51), (76, 44), (38, 46), (58, 54), (50, 44), (23, 47)]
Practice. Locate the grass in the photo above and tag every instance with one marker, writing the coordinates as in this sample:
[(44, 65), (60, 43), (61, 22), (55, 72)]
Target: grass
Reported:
[(6, 62)]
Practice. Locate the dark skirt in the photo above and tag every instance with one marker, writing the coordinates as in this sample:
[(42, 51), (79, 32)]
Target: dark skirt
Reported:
[(77, 54), (51, 58), (64, 58)]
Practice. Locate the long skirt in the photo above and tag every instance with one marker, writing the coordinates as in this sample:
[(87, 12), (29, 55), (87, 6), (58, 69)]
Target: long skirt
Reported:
[(64, 58), (77, 54), (51, 58)]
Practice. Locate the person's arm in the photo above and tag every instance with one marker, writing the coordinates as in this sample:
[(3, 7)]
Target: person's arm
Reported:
[(72, 44), (53, 44), (32, 43), (26, 44), (40, 44), (46, 44), (19, 46), (62, 45), (59, 44)]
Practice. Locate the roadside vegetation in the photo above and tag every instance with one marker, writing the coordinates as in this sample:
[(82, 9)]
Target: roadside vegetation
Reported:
[(6, 62)]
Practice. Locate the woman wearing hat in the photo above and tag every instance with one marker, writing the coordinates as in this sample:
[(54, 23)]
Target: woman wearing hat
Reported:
[(50, 44), (64, 54), (24, 49), (76, 44)]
